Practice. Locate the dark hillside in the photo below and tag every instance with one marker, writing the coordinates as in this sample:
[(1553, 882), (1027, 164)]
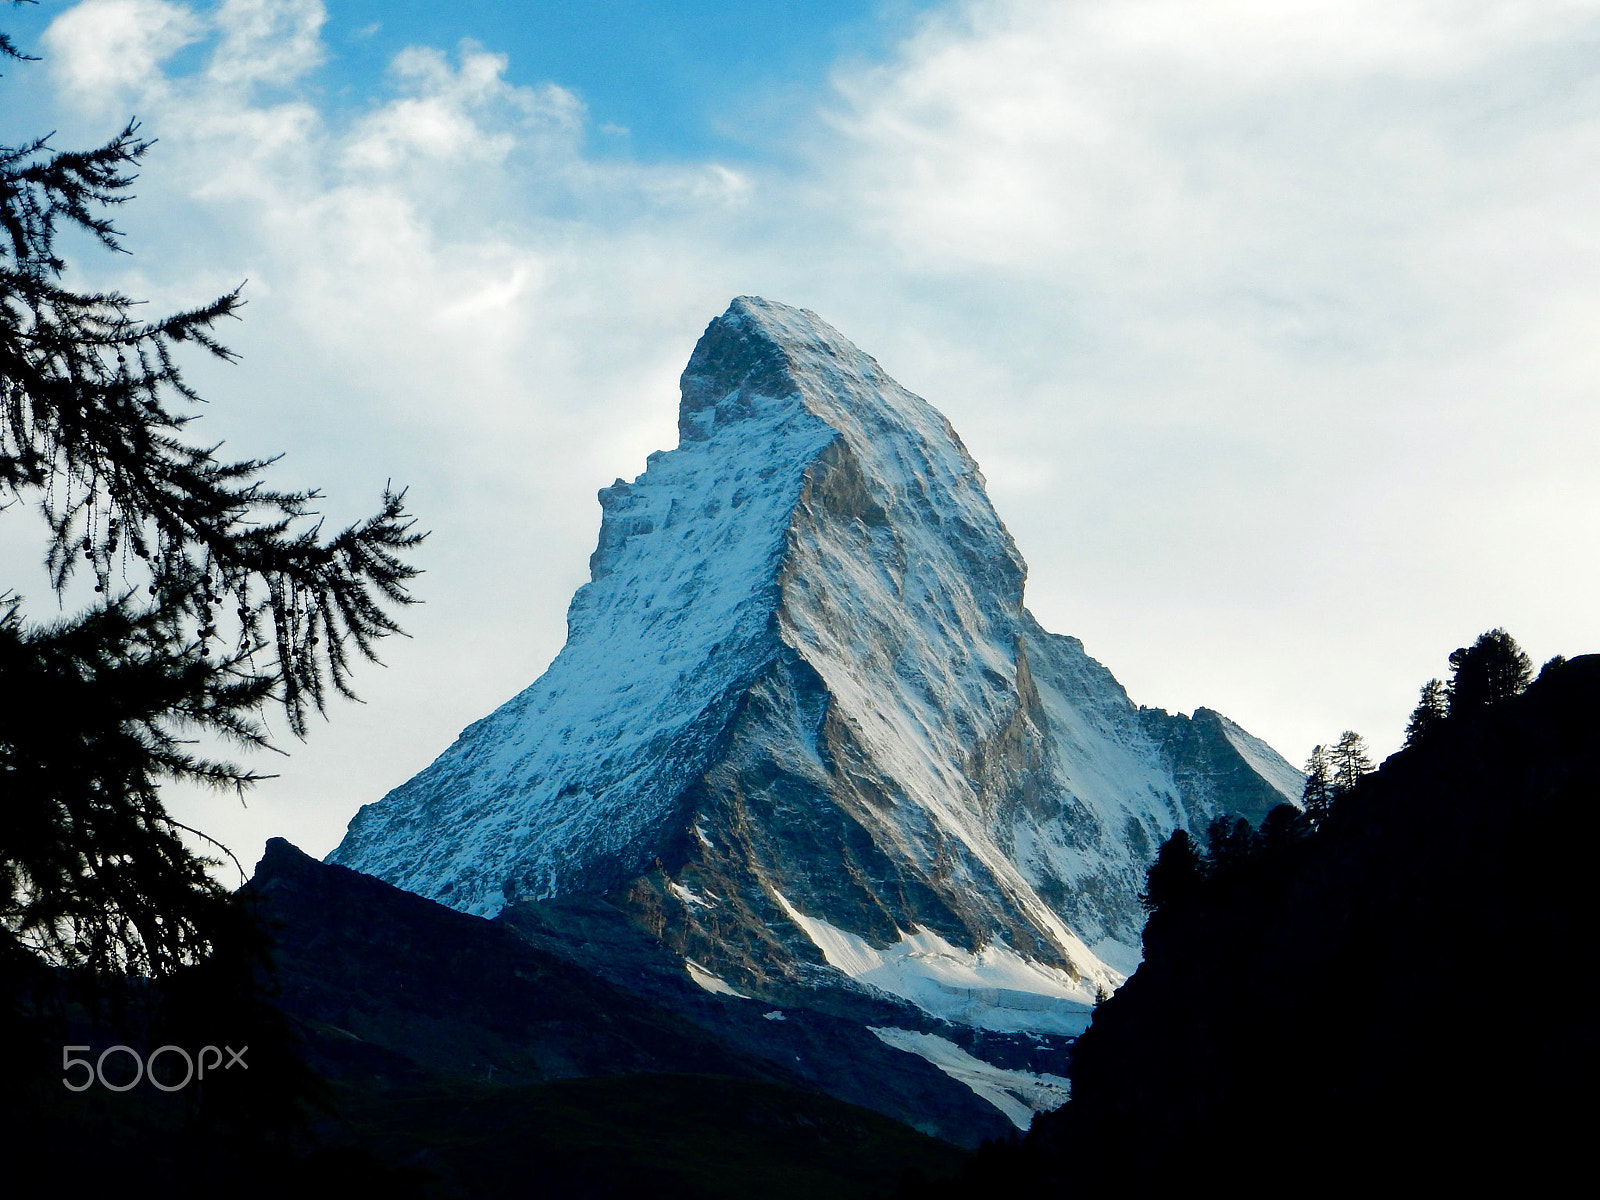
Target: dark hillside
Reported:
[(454, 1058), (1404, 995), (392, 991)]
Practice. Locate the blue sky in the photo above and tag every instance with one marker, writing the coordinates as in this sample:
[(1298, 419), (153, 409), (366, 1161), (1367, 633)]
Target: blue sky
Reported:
[(662, 79), (1270, 322), (683, 79)]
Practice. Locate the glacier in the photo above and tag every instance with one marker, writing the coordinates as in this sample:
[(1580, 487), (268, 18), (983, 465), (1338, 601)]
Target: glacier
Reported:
[(804, 730)]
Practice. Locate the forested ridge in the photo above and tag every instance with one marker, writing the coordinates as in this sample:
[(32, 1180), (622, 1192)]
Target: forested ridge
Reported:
[(1401, 994)]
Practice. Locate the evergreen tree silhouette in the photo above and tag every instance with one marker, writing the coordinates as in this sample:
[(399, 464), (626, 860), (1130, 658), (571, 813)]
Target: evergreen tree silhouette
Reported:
[(1175, 873), (215, 596), (1490, 671), (1229, 841), (1282, 826), (1317, 796), (1433, 707), (1350, 761)]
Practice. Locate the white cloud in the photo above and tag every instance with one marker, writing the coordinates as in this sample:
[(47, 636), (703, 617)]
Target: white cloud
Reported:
[(439, 121), (1235, 149), (1245, 43), (267, 41), (101, 49)]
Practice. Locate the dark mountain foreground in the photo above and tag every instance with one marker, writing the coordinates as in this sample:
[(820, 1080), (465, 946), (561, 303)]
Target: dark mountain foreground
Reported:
[(676, 1136), (1403, 998)]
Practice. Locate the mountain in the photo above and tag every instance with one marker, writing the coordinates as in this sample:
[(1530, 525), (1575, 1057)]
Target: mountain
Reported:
[(804, 733)]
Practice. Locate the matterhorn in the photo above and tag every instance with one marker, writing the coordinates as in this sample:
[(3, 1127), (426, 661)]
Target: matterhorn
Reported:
[(805, 734)]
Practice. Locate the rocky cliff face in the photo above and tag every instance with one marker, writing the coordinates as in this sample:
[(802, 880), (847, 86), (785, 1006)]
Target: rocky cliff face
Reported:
[(803, 724)]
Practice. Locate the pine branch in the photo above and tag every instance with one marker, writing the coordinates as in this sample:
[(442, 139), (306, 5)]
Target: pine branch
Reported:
[(96, 709)]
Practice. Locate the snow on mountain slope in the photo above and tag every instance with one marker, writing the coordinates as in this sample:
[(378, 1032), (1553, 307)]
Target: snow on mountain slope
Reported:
[(801, 700), (1018, 1094), (993, 988), (573, 783)]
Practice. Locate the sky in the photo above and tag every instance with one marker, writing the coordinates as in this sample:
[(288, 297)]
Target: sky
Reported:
[(1271, 323)]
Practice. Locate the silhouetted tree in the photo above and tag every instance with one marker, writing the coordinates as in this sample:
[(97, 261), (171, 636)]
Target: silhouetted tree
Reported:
[(1432, 708), (1175, 873), (1490, 671), (1349, 760), (214, 595), (214, 598), (1229, 840), (1282, 826), (1317, 795)]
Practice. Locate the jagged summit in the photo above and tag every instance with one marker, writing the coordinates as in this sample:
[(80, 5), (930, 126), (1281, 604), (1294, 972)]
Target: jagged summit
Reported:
[(802, 719)]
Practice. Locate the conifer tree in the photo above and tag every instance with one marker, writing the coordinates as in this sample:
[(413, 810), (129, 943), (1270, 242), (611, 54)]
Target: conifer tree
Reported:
[(1317, 796), (1175, 873), (1492, 670), (215, 596), (1433, 707), (1229, 841), (1283, 825), (1349, 761)]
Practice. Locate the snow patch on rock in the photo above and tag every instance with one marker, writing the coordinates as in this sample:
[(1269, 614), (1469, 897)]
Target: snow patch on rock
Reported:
[(1264, 760), (1018, 1094), (709, 981), (992, 988)]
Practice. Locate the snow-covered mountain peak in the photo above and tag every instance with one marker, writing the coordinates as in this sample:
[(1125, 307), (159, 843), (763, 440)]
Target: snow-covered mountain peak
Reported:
[(801, 709)]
